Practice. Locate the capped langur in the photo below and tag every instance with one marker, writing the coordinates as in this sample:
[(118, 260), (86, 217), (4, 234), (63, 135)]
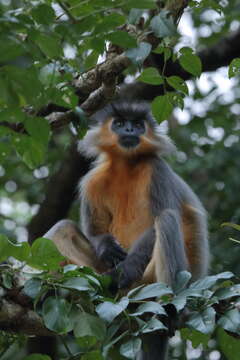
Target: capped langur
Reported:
[(141, 222)]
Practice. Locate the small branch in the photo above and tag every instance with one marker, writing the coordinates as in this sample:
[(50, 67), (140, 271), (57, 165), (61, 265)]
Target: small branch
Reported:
[(66, 10)]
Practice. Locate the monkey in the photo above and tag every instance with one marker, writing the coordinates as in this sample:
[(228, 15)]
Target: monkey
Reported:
[(140, 222)]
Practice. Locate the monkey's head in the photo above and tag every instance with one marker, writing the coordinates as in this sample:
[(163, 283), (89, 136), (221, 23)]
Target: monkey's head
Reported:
[(126, 129)]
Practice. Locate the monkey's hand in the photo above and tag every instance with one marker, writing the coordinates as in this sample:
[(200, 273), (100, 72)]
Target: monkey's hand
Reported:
[(125, 274), (109, 251)]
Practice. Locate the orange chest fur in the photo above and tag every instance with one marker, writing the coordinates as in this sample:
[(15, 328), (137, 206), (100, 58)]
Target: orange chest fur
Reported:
[(119, 195)]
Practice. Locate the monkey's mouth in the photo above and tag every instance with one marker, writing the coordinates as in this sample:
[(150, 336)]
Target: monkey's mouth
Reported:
[(129, 141)]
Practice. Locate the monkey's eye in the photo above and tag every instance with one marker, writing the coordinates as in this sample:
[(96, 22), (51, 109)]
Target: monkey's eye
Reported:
[(139, 124), (119, 123)]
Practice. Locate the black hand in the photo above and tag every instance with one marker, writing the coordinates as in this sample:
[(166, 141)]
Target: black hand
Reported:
[(125, 274), (109, 251)]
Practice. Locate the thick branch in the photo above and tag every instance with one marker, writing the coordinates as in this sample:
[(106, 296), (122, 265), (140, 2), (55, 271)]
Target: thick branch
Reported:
[(94, 78), (16, 318), (220, 54), (60, 192)]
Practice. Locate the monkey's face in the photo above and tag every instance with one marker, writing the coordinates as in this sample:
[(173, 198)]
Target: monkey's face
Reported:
[(128, 131)]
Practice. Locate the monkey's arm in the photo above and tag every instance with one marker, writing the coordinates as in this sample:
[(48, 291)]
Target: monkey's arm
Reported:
[(163, 244), (132, 268), (94, 226)]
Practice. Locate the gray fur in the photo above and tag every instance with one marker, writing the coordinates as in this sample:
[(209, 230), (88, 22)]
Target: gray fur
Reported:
[(164, 241), (169, 191)]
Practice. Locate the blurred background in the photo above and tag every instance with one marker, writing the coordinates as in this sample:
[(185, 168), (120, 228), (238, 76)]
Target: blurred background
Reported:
[(206, 133)]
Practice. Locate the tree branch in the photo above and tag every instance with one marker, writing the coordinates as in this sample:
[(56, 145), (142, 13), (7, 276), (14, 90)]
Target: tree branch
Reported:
[(16, 318), (60, 192)]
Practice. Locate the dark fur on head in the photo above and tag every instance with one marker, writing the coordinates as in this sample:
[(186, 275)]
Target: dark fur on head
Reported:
[(130, 111), (125, 110)]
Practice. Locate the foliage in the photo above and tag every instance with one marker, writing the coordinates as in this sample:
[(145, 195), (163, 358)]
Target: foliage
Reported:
[(77, 301), (45, 46)]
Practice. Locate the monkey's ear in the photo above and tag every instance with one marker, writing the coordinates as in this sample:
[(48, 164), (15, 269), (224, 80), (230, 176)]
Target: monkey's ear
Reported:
[(88, 146)]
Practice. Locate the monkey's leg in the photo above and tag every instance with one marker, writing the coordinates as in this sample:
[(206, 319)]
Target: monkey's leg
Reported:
[(72, 244), (194, 224), (156, 347), (168, 258)]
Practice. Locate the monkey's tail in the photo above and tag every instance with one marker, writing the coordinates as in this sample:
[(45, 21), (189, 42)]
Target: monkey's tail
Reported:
[(155, 347)]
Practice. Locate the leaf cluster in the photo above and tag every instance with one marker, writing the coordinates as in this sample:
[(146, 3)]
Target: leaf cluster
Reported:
[(77, 301)]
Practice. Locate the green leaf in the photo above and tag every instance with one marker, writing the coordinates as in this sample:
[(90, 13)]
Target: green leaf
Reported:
[(19, 251), (20, 79), (190, 62), (161, 108), (196, 337), (38, 128), (228, 345), (232, 225), (163, 25), (93, 355), (32, 287), (134, 16), (203, 321), (230, 321), (176, 99), (49, 44), (149, 307), (149, 291), (131, 348), (139, 54), (86, 342), (31, 151), (49, 75), (77, 283), (167, 53), (91, 60), (97, 43), (5, 149), (178, 83), (152, 325), (7, 280), (37, 357), (57, 315), (226, 293), (180, 300), (141, 4), (12, 115), (43, 14), (45, 255), (209, 281), (182, 279), (108, 311), (109, 22), (7, 94), (151, 76), (10, 48), (89, 325), (122, 39), (165, 50), (234, 68)]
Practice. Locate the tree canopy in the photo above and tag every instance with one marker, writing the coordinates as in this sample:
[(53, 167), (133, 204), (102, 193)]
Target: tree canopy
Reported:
[(61, 62)]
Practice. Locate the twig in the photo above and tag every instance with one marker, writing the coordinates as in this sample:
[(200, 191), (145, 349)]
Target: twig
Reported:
[(65, 8)]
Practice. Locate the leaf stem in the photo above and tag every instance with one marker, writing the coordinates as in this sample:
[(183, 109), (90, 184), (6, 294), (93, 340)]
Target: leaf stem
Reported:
[(66, 346), (67, 11)]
